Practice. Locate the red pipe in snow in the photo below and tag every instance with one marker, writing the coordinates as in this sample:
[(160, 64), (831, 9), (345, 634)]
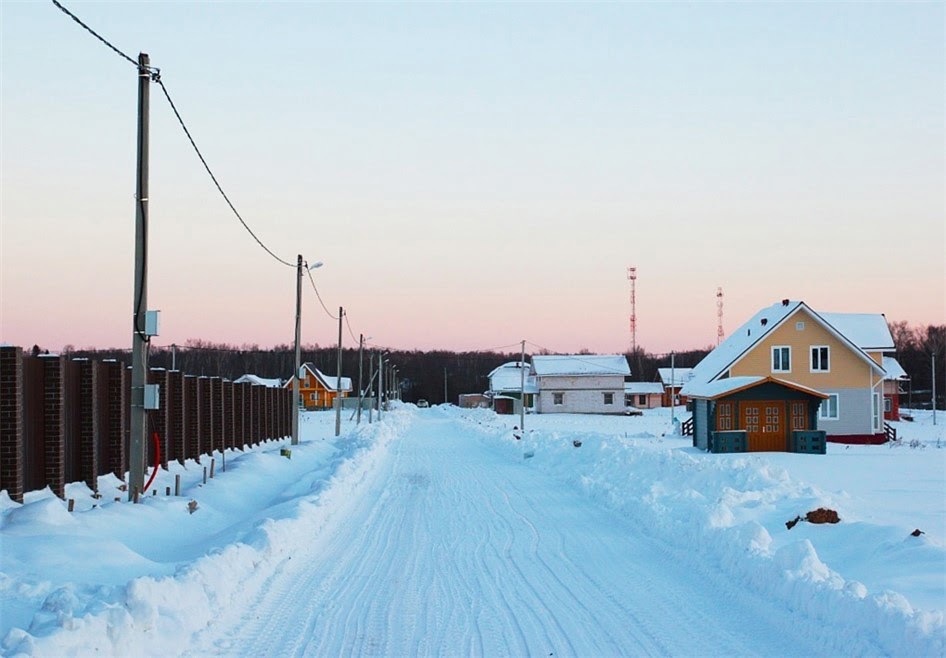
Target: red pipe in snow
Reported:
[(157, 460)]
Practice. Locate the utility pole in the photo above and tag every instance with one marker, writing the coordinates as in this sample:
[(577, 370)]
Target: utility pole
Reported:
[(673, 390), (361, 346), (380, 383), (338, 376), (522, 387), (173, 356), (934, 387), (139, 340), (445, 385), (371, 370), (298, 361)]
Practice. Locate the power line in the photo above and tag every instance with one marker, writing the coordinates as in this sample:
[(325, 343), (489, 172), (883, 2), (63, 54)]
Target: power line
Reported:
[(214, 178), (100, 38), (350, 332), (324, 307)]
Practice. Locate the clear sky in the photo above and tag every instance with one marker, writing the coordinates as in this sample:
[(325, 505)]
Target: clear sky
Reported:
[(473, 174)]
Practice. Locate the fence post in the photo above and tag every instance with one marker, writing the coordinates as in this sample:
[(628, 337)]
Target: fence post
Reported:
[(174, 405), (54, 430), (226, 410), (191, 419), (216, 414), (89, 430), (11, 421)]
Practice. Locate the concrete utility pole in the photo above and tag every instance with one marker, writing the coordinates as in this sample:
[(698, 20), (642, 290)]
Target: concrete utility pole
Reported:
[(522, 388), (139, 341), (371, 370), (445, 386), (173, 356), (934, 387), (380, 383), (338, 376), (673, 390), (298, 360), (361, 348)]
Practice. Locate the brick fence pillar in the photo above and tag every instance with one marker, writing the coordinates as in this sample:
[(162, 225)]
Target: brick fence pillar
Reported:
[(226, 412), (89, 429), (11, 421), (216, 414), (203, 416), (191, 418), (54, 434), (173, 404), (114, 432)]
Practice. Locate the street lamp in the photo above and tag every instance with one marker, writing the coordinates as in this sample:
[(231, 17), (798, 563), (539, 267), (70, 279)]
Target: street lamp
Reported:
[(300, 264), (362, 339)]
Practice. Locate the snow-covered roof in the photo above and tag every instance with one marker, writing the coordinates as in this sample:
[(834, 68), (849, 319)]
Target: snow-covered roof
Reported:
[(580, 364), (259, 381), (330, 383), (643, 388), (894, 369), (722, 387), (680, 376), (869, 331), (508, 377), (764, 322)]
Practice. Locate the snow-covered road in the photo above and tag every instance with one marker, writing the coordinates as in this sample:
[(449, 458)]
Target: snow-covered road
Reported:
[(453, 547)]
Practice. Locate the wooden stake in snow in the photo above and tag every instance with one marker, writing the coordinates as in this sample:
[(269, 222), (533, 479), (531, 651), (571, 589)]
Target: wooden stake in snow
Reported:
[(72, 504), (205, 475), (212, 464), (177, 484)]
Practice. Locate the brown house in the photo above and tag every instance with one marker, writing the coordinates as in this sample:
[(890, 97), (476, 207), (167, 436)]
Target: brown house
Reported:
[(318, 390)]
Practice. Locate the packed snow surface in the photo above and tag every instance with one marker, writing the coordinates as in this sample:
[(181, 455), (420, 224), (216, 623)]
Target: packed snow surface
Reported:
[(452, 532)]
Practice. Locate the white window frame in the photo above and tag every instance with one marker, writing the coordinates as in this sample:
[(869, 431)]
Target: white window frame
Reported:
[(608, 398), (888, 405), (837, 408), (811, 358), (558, 399), (778, 349), (877, 414)]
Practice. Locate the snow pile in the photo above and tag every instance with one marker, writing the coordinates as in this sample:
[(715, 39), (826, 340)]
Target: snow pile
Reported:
[(157, 614), (730, 511)]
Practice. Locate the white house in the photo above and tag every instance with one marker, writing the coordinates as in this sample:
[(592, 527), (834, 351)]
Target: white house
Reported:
[(505, 386), (580, 383), (643, 395)]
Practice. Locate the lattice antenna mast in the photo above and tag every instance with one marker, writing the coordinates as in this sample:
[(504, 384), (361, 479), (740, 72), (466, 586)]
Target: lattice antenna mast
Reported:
[(632, 277), (719, 316)]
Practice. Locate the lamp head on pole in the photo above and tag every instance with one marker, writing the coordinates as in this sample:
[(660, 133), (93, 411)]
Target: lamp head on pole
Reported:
[(314, 265)]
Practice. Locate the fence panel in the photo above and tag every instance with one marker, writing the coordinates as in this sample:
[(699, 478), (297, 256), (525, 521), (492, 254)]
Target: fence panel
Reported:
[(11, 422)]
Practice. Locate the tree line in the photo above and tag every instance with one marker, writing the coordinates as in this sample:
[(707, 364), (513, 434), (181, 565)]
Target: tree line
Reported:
[(440, 375)]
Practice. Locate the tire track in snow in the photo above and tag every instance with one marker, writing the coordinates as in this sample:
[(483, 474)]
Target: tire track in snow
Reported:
[(448, 547)]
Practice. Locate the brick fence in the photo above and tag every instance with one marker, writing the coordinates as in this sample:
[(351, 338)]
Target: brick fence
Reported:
[(68, 420)]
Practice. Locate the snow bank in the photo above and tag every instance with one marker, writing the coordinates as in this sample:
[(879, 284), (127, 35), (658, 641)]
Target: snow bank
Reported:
[(708, 506), (157, 615)]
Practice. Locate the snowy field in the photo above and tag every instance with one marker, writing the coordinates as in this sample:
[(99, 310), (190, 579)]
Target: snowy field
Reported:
[(437, 532)]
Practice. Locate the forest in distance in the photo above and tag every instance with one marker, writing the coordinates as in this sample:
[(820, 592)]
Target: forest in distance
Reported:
[(429, 374)]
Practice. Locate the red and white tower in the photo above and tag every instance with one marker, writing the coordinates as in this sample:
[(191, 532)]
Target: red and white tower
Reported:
[(632, 277), (719, 316)]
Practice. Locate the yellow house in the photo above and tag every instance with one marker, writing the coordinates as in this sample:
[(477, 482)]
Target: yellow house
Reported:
[(837, 354), (318, 390)]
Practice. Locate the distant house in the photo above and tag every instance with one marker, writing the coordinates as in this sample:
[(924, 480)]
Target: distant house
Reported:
[(643, 395), (580, 383), (839, 355), (505, 387), (895, 376), (318, 390), (258, 381), (673, 379)]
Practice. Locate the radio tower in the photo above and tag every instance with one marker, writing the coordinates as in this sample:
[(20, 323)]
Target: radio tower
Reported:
[(719, 316), (632, 277)]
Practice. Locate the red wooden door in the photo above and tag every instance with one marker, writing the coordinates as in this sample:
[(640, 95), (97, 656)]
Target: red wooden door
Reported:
[(765, 425)]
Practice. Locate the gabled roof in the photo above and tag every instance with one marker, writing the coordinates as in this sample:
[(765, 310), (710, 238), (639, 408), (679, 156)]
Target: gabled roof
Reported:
[(644, 388), (723, 387), (508, 377), (329, 383), (741, 341), (259, 381), (894, 369), (580, 364), (869, 331), (680, 376)]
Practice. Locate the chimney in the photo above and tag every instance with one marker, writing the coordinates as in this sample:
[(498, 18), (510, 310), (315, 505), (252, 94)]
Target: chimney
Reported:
[(784, 302)]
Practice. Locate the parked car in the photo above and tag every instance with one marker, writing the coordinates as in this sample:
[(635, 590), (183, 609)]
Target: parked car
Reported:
[(422, 404)]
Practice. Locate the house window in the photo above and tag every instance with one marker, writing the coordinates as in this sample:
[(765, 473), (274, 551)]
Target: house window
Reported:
[(642, 400), (829, 408), (888, 405), (799, 326), (313, 396), (558, 399), (781, 359), (875, 409), (819, 358), (724, 416), (609, 398)]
